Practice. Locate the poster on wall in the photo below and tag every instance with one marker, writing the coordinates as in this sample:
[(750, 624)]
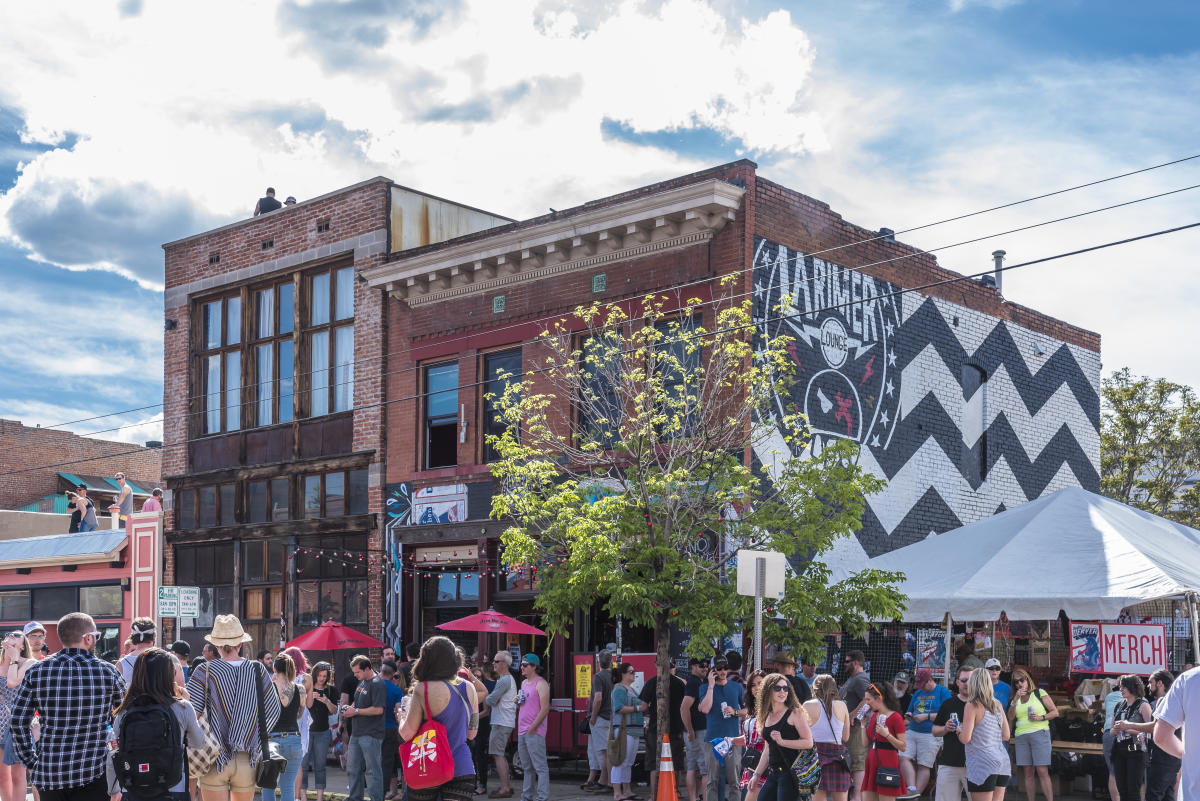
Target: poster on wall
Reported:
[(931, 650), (445, 503), (1085, 648)]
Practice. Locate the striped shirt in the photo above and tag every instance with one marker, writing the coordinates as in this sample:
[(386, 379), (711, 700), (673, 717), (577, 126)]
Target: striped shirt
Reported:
[(226, 690), (74, 694)]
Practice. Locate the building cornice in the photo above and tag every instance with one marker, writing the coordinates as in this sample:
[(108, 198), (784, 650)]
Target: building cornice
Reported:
[(668, 220)]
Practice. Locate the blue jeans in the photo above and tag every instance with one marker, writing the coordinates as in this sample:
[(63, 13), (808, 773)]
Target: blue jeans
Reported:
[(289, 748), (85, 527), (363, 763), (318, 754), (780, 785)]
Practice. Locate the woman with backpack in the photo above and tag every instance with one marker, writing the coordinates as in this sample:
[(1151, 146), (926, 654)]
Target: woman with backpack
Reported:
[(16, 658), (439, 696), (227, 691), (1029, 714), (144, 765), (1129, 747)]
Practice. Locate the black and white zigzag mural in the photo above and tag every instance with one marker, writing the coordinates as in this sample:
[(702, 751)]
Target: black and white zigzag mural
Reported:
[(963, 414)]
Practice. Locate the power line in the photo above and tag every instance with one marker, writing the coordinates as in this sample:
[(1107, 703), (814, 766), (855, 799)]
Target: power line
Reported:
[(895, 293), (705, 280), (708, 279)]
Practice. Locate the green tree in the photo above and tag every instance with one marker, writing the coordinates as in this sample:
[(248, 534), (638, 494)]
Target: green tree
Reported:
[(627, 451), (1150, 445)]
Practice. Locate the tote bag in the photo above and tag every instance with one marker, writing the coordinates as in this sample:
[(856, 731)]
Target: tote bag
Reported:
[(426, 757)]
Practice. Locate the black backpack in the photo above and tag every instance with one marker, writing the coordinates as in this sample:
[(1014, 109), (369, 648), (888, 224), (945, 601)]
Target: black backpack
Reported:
[(149, 759)]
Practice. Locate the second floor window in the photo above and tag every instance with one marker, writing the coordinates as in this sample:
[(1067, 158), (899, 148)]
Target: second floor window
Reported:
[(274, 353), (441, 415), (499, 370), (221, 365), (331, 341)]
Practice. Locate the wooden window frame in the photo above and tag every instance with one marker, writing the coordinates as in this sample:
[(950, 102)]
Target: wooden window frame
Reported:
[(202, 353), (330, 328), (274, 340)]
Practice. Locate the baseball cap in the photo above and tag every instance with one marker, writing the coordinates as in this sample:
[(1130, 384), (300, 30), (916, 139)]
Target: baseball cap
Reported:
[(290, 199), (532, 659), (923, 675), (33, 626), (181, 648), (902, 676), (992, 663)]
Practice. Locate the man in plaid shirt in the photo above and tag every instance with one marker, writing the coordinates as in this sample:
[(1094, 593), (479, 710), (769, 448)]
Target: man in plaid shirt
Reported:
[(74, 694)]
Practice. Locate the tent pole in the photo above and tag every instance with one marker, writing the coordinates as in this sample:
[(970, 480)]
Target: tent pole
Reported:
[(1191, 599), (949, 645)]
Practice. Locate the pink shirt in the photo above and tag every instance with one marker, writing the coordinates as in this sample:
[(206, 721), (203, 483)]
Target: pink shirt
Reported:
[(152, 505), (531, 708)]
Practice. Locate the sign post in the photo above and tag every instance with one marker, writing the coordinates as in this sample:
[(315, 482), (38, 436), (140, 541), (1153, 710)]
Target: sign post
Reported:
[(168, 602), (178, 602), (761, 574)]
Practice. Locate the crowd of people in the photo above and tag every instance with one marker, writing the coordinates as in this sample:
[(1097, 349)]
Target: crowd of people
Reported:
[(149, 726)]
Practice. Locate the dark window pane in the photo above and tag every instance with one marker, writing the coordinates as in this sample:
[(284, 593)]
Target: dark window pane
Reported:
[(206, 565), (233, 321), (345, 294), (447, 587), (228, 504), (233, 390), (252, 561), (286, 310), (51, 603), (335, 494), (185, 567), (319, 309), (312, 497), (14, 605), (356, 545), (356, 601), (468, 587), (212, 395), (500, 369), (356, 500), (280, 501), (185, 509), (256, 501), (286, 390), (207, 502), (274, 560), (212, 325), (104, 601), (332, 601)]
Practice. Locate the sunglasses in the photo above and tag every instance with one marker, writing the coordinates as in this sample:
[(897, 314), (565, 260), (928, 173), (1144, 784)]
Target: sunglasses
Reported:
[(994, 668), (631, 670), (963, 681), (526, 664), (781, 688)]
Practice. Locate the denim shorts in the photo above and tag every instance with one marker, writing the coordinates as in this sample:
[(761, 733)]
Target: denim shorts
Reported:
[(9, 750)]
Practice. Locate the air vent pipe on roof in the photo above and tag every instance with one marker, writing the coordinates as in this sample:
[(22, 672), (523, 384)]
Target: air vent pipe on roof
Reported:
[(998, 265)]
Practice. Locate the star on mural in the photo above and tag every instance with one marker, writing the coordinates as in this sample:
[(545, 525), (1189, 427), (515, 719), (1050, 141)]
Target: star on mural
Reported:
[(891, 358), (889, 328), (888, 387), (875, 441), (883, 418)]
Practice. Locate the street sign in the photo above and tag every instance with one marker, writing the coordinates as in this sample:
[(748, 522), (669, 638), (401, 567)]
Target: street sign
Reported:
[(747, 572), (189, 601), (168, 602)]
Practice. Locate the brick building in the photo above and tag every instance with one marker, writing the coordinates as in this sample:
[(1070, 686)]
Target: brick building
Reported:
[(68, 456), (274, 423), (965, 402)]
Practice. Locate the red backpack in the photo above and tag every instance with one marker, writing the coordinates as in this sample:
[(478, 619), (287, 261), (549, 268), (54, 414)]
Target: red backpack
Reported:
[(426, 758)]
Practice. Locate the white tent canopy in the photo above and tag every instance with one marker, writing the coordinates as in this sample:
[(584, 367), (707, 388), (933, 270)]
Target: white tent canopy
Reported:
[(1073, 550)]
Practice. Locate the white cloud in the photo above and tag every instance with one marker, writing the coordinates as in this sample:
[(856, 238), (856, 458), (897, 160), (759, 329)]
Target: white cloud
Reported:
[(497, 104), (137, 428)]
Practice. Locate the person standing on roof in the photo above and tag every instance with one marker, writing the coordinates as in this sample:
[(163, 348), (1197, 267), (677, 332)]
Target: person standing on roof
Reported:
[(122, 504), (88, 520), (267, 203)]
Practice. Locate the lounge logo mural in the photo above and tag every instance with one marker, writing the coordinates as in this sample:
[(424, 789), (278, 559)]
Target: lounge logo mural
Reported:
[(843, 325)]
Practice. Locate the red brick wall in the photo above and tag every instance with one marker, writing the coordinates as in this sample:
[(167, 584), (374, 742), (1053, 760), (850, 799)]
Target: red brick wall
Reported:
[(23, 447)]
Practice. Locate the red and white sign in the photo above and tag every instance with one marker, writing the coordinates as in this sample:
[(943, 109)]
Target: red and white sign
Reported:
[(1136, 648)]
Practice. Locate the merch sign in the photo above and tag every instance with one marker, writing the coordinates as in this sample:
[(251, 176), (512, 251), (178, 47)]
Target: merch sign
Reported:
[(1118, 648)]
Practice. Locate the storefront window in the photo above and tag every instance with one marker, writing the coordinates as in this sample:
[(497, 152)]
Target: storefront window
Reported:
[(14, 605), (103, 601), (452, 587), (51, 603)]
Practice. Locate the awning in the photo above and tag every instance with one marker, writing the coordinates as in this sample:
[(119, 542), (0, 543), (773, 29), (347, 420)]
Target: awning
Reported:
[(62, 549), (101, 483)]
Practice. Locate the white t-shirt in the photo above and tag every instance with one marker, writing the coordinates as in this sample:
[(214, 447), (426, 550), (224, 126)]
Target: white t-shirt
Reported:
[(1182, 709)]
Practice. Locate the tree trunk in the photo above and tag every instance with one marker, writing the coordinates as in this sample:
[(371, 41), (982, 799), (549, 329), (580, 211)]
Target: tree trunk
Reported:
[(662, 636)]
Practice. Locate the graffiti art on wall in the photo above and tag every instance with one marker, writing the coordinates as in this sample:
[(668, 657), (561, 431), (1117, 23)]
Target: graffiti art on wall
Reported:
[(843, 325), (397, 501)]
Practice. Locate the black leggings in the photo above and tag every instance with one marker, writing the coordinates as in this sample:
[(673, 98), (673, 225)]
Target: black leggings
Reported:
[(1129, 770)]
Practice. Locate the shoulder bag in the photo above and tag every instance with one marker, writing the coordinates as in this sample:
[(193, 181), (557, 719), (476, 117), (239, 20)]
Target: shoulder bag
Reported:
[(884, 776), (426, 758), (271, 763), (617, 744), (202, 758)]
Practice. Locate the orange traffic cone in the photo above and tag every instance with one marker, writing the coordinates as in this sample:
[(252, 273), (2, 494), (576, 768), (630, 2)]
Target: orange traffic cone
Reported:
[(666, 773)]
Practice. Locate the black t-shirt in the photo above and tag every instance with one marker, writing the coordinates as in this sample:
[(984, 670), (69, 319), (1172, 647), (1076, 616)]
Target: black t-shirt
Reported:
[(675, 712), (699, 720), (320, 712), (801, 688), (953, 754), (349, 686), (267, 203)]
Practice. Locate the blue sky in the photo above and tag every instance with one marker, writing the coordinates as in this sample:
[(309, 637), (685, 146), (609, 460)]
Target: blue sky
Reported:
[(120, 134)]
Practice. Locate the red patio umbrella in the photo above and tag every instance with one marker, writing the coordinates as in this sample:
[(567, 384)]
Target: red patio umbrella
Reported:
[(490, 621), (333, 636)]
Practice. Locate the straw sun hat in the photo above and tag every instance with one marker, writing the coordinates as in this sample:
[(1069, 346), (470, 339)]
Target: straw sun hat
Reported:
[(227, 630)]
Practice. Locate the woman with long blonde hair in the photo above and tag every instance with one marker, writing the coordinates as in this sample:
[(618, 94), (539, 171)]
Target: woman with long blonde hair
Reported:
[(829, 718), (17, 657), (983, 734), (785, 733)]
